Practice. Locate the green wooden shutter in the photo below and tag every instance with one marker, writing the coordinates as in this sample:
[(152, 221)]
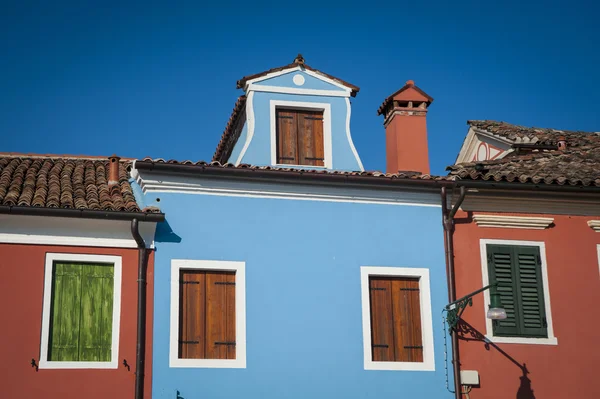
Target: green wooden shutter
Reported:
[(531, 291), (65, 313), (82, 308), (518, 271), (500, 267)]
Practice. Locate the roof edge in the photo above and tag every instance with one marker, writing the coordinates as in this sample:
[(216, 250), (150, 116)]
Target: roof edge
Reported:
[(81, 213)]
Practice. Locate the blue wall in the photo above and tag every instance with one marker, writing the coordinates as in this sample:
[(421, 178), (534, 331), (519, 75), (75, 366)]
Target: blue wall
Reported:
[(303, 293)]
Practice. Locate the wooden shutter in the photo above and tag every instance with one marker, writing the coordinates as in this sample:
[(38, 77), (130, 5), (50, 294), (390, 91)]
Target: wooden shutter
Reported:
[(300, 137), (310, 138), (531, 292), (82, 308), (518, 271), (287, 137), (395, 319), (207, 315)]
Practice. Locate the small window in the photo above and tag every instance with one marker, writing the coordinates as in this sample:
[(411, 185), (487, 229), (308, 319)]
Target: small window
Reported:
[(80, 321), (518, 271), (300, 137), (207, 315), (395, 319)]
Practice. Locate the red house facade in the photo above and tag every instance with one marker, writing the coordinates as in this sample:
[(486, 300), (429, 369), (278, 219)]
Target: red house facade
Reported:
[(530, 222), (75, 255)]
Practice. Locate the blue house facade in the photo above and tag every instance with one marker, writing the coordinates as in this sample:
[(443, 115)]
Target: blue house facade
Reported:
[(301, 276)]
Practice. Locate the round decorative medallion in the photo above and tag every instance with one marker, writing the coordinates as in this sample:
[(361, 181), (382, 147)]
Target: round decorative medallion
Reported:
[(298, 80)]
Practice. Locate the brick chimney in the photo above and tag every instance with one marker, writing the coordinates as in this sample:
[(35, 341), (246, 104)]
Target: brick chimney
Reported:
[(113, 170), (405, 122)]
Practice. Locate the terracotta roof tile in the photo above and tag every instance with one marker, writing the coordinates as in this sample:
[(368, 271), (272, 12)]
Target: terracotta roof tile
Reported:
[(64, 182), (230, 135)]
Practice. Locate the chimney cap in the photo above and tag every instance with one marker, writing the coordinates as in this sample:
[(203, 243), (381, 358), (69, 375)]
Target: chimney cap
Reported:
[(410, 82)]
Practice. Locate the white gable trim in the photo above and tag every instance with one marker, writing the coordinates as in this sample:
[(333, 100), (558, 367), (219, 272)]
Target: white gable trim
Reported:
[(250, 123), (44, 363), (240, 313), (551, 340), (293, 69), (348, 113), (327, 146), (428, 363), (296, 90)]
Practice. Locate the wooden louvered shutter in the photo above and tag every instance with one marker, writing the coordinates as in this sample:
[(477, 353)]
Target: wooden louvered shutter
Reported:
[(310, 138), (530, 292), (518, 271), (287, 137), (395, 319), (207, 315), (500, 266)]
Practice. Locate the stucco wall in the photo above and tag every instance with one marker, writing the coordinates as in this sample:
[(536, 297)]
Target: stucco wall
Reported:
[(21, 295), (568, 369), (304, 322)]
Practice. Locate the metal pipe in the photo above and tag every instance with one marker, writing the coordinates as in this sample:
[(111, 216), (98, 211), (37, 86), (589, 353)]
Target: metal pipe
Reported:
[(140, 354), (448, 223), (81, 213)]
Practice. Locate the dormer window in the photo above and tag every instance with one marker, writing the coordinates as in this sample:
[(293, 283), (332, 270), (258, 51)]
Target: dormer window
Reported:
[(299, 136)]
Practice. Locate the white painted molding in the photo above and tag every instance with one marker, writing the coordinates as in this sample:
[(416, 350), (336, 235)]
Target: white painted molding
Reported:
[(250, 125), (44, 363), (293, 69), (428, 363), (595, 225), (551, 340), (513, 222), (156, 183), (349, 137), (240, 314), (325, 107), (21, 229), (298, 79), (297, 90)]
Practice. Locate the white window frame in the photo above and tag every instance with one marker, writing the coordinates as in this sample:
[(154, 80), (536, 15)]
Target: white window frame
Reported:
[(51, 258), (428, 363), (551, 340), (240, 313), (306, 106), (598, 250)]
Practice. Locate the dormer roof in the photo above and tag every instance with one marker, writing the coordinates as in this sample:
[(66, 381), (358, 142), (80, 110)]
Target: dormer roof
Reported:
[(297, 64)]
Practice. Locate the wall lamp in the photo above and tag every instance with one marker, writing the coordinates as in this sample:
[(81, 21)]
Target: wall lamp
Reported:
[(455, 309)]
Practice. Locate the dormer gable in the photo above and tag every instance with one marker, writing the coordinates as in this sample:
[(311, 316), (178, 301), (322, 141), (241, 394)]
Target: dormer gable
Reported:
[(291, 116)]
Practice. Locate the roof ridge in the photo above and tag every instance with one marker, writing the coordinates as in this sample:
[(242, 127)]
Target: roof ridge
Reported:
[(59, 156)]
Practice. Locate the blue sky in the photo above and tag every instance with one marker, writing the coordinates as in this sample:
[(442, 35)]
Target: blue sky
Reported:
[(156, 79)]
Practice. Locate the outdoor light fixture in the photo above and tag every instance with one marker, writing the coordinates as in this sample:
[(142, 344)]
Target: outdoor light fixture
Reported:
[(455, 309)]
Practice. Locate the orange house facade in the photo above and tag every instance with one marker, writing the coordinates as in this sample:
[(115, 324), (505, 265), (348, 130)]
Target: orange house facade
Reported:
[(530, 222), (72, 241)]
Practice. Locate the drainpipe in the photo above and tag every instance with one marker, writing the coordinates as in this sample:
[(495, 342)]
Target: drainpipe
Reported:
[(140, 355), (448, 223)]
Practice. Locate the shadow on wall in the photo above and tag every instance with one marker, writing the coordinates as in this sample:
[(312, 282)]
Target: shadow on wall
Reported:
[(467, 332), (164, 233)]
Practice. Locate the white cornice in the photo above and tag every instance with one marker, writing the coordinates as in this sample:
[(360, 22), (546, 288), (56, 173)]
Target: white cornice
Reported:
[(513, 222), (595, 225), (295, 90)]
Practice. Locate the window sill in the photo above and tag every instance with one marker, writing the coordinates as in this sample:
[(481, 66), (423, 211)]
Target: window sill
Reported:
[(522, 340), (402, 366), (208, 363), (78, 365), (293, 166)]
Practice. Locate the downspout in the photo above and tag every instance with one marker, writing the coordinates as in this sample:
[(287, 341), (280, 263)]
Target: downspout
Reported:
[(140, 355), (448, 223)]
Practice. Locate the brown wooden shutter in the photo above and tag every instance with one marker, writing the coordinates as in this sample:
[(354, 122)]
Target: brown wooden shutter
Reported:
[(300, 137), (310, 138), (395, 319), (287, 137), (207, 315)]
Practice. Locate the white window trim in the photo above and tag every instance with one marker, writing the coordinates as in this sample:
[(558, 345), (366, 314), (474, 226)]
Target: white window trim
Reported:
[(44, 363), (551, 340), (598, 250), (428, 363), (309, 106), (240, 313)]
